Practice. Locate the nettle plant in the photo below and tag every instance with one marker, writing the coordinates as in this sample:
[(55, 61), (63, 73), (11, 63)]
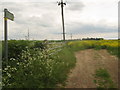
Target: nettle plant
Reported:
[(35, 68)]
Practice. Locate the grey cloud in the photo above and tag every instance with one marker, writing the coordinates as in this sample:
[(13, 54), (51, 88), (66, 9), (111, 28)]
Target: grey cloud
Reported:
[(90, 28), (75, 6), (22, 12), (28, 0), (12, 6)]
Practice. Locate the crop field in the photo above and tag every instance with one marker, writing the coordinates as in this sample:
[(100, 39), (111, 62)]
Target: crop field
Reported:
[(47, 64), (111, 45)]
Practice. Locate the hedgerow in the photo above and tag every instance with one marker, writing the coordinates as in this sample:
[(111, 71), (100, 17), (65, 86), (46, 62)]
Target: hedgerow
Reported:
[(37, 67)]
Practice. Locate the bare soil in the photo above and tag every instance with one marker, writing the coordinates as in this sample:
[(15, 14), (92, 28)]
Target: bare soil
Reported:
[(87, 62)]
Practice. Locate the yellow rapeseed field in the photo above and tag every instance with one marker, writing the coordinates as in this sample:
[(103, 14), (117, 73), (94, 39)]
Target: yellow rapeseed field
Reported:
[(110, 45)]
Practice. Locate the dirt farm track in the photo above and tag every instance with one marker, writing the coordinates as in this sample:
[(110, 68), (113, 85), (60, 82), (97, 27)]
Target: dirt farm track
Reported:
[(87, 62)]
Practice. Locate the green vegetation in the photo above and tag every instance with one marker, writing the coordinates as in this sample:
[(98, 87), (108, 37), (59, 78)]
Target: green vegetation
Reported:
[(35, 65), (15, 47), (0, 48), (67, 62), (103, 79), (0, 53), (0, 64)]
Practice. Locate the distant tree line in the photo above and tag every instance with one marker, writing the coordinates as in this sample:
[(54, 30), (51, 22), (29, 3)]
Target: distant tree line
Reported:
[(92, 39)]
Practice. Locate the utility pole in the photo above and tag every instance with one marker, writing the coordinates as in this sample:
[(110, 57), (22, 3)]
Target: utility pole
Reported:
[(71, 36), (62, 12), (26, 38), (28, 34)]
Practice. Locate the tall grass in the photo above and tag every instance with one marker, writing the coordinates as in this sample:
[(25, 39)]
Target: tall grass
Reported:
[(0, 47), (67, 62), (0, 52), (0, 63)]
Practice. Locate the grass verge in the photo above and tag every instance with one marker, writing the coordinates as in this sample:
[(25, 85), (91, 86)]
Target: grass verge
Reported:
[(103, 79), (68, 61)]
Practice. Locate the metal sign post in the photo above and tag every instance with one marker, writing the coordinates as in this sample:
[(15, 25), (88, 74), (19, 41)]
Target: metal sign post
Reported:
[(62, 12), (7, 15), (5, 38)]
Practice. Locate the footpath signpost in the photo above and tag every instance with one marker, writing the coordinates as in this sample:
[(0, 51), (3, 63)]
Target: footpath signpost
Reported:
[(10, 16)]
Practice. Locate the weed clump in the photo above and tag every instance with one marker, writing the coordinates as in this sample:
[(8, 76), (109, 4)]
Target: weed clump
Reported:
[(103, 79)]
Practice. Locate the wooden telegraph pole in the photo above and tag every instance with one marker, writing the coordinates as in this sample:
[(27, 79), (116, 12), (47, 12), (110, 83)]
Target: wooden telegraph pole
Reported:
[(28, 35), (5, 38), (10, 16), (62, 12), (71, 36)]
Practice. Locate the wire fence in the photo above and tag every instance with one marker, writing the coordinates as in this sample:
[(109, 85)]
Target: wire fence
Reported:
[(56, 47)]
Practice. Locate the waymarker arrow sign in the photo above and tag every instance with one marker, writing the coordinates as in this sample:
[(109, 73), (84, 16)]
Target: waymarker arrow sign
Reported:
[(8, 15)]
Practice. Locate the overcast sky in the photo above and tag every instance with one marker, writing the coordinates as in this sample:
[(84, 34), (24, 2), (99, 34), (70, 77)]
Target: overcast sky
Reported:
[(83, 18)]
